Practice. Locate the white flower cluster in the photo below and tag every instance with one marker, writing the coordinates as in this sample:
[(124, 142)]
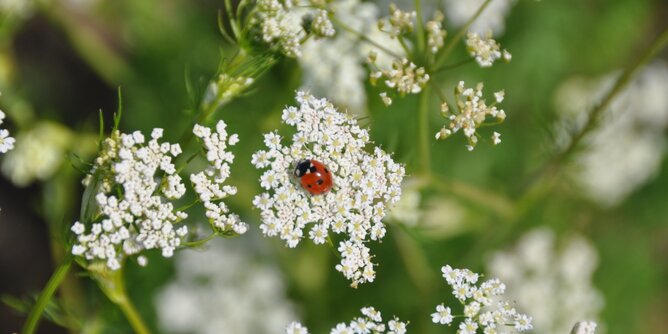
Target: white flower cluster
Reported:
[(485, 50), (584, 327), (554, 284), (435, 32), (404, 76), (334, 67), (280, 26), (371, 322), (399, 22), (226, 289), (483, 305), (491, 19), (321, 24), (365, 184), (633, 127), (134, 182), (281, 23), (208, 184), (471, 113), (6, 142)]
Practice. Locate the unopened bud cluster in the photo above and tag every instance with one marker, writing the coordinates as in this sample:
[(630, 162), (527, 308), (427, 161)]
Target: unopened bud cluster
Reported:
[(485, 50)]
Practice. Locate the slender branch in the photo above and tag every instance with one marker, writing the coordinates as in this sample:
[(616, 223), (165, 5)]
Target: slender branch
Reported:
[(451, 66), (56, 279), (419, 28), (594, 115), (362, 37), (197, 243), (460, 34), (423, 131), (112, 283)]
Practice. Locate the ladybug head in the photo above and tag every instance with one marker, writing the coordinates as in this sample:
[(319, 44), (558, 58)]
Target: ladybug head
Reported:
[(302, 168)]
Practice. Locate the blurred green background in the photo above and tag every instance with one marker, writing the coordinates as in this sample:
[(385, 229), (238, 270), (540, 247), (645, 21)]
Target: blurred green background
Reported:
[(62, 61)]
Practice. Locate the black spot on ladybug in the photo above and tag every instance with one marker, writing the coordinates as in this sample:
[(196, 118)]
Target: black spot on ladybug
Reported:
[(309, 186), (320, 181), (312, 169), (326, 171), (302, 168)]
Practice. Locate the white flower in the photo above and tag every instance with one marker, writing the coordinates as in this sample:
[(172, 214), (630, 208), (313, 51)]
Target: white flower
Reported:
[(485, 49), (404, 77), (496, 138), (6, 142), (442, 316), (209, 183), (372, 322), (435, 32), (226, 289), (334, 67), (365, 184), (471, 112), (133, 210), (399, 22), (483, 304), (554, 284), (296, 328)]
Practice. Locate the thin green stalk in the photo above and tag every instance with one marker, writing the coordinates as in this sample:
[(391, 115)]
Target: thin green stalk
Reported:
[(423, 131), (133, 316), (419, 28), (198, 243), (460, 34), (111, 282), (594, 115), (362, 36), (56, 279)]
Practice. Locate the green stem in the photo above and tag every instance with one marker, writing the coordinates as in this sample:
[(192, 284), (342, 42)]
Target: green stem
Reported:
[(362, 37), (419, 28), (460, 34), (423, 131), (594, 115), (56, 279), (111, 282), (133, 316), (198, 243)]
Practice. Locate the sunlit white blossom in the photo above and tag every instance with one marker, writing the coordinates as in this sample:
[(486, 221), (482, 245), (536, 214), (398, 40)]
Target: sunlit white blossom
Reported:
[(484, 305), (129, 189), (484, 49), (371, 322), (209, 183), (584, 327), (365, 184), (334, 67), (472, 111), (6, 142)]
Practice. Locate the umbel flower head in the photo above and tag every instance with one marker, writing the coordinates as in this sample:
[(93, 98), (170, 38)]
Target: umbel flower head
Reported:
[(483, 304), (470, 113), (209, 183), (128, 207), (371, 322), (365, 184)]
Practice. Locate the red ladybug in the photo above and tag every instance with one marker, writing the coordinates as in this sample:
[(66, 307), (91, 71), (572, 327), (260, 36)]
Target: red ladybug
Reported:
[(314, 177)]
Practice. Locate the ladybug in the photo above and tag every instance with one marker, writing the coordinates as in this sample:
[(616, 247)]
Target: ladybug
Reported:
[(314, 177)]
